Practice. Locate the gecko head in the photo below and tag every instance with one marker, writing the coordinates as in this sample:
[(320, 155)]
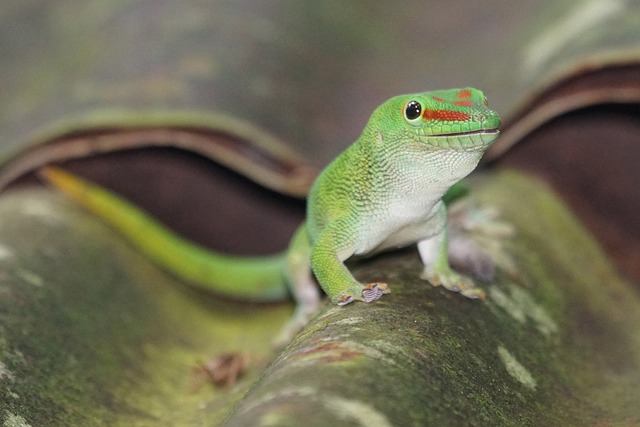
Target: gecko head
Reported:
[(454, 119)]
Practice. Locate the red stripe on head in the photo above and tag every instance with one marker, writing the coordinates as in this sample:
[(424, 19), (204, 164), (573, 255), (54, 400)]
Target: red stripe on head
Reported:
[(465, 93), (445, 115)]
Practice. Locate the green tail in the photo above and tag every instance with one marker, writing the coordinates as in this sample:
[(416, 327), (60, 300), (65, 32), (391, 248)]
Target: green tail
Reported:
[(250, 278)]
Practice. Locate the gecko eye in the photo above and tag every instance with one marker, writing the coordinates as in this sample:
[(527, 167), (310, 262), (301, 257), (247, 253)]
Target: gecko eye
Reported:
[(412, 110)]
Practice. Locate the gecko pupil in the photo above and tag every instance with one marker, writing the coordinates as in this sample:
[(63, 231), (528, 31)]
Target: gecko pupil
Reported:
[(413, 110)]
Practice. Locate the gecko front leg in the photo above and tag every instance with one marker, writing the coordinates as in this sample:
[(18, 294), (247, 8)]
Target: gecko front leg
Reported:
[(434, 254), (334, 277), (329, 252)]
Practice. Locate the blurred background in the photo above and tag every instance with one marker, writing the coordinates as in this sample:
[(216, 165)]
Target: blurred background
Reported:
[(562, 74)]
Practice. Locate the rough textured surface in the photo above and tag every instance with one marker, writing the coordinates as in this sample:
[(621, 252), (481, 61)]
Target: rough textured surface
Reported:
[(556, 343), (92, 334)]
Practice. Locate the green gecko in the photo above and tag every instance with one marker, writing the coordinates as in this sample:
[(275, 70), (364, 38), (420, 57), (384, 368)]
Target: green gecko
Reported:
[(385, 191)]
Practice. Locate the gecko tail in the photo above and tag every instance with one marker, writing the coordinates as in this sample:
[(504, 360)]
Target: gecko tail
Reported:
[(242, 278)]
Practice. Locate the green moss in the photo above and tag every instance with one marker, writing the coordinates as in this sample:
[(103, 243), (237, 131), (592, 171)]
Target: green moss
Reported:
[(93, 334)]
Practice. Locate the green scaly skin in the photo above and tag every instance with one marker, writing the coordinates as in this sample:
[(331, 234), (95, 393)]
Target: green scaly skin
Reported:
[(385, 191)]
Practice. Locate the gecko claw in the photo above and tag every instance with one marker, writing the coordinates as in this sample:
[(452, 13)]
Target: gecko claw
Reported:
[(454, 282), (345, 299), (373, 291), (474, 293)]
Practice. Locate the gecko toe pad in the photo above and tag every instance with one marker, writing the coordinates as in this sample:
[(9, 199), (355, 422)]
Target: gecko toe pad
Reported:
[(373, 291)]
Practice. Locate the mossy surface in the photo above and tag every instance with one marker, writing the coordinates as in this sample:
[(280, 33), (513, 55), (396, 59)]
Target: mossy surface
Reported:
[(94, 334), (555, 343)]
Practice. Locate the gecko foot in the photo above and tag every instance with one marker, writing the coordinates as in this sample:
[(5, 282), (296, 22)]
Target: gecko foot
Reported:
[(474, 293), (370, 292), (454, 282)]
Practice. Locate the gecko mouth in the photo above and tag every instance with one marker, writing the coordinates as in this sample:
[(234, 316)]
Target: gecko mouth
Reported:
[(474, 132), (477, 140)]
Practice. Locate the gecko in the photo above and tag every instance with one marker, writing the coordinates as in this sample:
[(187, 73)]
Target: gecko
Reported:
[(384, 191)]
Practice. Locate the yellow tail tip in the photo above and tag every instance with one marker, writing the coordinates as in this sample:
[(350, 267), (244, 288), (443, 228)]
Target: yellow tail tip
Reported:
[(62, 180), (51, 173)]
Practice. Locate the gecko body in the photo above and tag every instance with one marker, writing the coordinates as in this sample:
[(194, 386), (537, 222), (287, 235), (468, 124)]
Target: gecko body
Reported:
[(385, 191)]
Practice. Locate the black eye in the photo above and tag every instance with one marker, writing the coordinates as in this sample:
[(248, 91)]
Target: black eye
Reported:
[(412, 110)]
